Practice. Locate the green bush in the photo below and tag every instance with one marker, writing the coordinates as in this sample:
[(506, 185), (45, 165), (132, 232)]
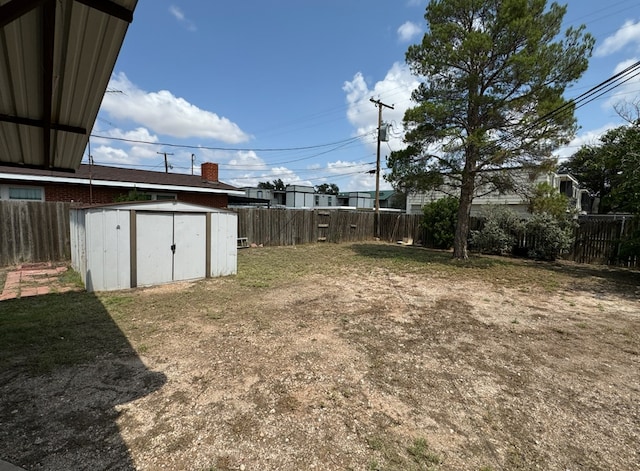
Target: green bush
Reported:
[(440, 221), (630, 246), (499, 234), (549, 236)]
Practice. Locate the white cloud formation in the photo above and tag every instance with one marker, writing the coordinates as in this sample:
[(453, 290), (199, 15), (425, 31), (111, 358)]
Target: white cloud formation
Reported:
[(179, 15), (248, 159), (408, 31), (355, 176), (137, 134), (252, 178), (166, 114), (107, 155), (628, 34), (395, 89), (587, 138), (628, 86)]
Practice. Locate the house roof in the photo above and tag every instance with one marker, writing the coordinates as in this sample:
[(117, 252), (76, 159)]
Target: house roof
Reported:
[(56, 58), (384, 194), (101, 175)]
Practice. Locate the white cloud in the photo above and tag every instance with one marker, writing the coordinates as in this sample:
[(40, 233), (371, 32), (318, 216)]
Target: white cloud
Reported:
[(395, 89), (248, 159), (408, 31), (628, 86), (137, 134), (110, 155), (628, 34), (166, 114), (252, 178), (175, 11), (587, 138), (179, 15)]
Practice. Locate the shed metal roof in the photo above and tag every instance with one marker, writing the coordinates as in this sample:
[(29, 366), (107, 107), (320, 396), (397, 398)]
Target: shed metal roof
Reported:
[(56, 58)]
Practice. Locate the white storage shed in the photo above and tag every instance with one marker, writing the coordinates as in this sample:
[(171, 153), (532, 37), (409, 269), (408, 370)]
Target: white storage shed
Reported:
[(148, 243)]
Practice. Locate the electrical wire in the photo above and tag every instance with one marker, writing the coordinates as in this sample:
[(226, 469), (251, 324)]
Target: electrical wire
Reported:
[(232, 149)]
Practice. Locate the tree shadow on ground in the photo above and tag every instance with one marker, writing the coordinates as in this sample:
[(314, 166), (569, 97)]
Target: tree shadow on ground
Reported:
[(621, 281), (412, 253), (65, 367)]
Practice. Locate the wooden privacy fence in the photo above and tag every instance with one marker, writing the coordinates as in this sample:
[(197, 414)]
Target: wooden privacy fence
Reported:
[(36, 232), (601, 242), (279, 227), (32, 231)]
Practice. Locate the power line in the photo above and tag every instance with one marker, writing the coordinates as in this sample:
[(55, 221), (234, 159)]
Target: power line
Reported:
[(236, 149)]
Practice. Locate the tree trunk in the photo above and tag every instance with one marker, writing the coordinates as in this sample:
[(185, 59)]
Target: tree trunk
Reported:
[(464, 215)]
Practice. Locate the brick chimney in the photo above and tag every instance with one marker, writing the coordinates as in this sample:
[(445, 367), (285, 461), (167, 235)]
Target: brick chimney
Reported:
[(209, 172)]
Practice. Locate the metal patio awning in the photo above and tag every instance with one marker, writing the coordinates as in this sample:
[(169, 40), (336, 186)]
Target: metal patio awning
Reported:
[(56, 58)]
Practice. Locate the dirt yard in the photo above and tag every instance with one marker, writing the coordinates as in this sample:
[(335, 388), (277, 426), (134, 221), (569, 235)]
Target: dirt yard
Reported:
[(343, 357)]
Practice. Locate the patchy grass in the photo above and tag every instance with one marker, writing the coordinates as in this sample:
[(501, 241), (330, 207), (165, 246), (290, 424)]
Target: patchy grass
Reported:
[(356, 356), (393, 456), (41, 333)]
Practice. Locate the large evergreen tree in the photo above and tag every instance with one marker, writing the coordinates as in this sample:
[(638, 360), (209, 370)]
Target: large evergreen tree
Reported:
[(493, 73)]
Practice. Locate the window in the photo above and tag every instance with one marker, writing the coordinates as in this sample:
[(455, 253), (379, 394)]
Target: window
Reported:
[(25, 193), (163, 196)]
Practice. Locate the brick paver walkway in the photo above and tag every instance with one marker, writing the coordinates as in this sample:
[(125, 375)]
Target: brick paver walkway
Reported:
[(33, 280)]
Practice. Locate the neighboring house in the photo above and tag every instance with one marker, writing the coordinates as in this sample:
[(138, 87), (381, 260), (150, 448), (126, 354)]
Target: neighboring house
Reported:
[(98, 184), (299, 196), (264, 197), (357, 199), (367, 199), (302, 196), (324, 200), (516, 200), (294, 196)]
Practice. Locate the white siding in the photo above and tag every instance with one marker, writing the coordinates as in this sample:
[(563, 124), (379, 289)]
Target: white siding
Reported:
[(107, 249), (224, 247)]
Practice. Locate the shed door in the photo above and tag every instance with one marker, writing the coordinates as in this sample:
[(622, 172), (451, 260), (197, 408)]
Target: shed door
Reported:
[(154, 238), (190, 246), (170, 247)]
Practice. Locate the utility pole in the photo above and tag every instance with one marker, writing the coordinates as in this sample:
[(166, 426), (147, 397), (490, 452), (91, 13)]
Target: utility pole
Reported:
[(380, 105), (193, 159), (166, 162)]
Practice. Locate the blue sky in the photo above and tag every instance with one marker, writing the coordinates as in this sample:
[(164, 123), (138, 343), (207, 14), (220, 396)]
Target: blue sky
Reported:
[(281, 89)]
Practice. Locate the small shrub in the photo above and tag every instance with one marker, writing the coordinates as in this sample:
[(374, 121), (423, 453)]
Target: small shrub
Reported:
[(133, 195), (440, 221), (498, 235), (550, 236)]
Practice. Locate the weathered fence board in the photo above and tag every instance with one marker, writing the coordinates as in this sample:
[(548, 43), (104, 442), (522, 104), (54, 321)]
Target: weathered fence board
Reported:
[(301, 226), (599, 241), (33, 232)]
